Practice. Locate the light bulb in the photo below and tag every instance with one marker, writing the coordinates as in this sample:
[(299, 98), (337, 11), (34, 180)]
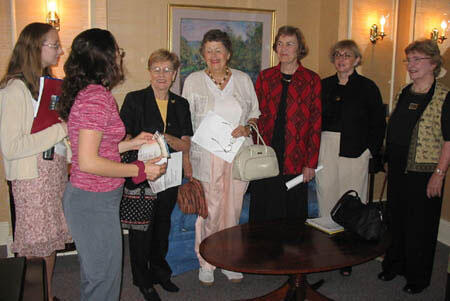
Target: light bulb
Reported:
[(444, 25), (382, 22), (52, 6)]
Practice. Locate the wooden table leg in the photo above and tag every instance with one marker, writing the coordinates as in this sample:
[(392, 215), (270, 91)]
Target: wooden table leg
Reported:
[(296, 288)]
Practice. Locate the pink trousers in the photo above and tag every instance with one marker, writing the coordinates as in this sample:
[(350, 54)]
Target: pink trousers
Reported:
[(224, 197)]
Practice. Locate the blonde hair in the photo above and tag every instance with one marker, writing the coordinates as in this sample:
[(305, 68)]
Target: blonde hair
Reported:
[(430, 49), (163, 55), (346, 45)]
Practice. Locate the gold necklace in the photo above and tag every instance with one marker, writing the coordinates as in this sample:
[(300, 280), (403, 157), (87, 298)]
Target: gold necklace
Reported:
[(219, 84)]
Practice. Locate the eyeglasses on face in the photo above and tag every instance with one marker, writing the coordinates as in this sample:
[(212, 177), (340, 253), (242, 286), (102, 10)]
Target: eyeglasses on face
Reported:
[(415, 59), (287, 44), (50, 45), (159, 70), (344, 55)]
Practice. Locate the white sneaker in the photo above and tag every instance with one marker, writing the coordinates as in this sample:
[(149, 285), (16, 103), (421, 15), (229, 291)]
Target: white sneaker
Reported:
[(233, 276), (206, 276)]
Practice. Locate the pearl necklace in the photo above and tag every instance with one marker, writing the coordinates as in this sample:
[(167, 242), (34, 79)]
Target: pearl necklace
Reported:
[(219, 84)]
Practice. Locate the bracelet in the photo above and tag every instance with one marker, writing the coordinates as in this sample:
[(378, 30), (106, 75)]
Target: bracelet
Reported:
[(142, 176), (439, 172)]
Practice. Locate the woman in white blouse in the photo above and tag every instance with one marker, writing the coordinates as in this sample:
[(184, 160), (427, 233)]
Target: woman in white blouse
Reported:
[(230, 94)]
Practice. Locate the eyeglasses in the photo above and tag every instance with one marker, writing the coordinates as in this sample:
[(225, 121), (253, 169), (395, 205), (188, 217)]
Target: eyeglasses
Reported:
[(227, 148), (50, 45), (345, 56), (159, 70), (415, 59), (121, 52), (288, 44)]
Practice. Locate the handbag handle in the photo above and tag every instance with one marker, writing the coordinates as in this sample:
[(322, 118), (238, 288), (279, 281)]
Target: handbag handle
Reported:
[(258, 135)]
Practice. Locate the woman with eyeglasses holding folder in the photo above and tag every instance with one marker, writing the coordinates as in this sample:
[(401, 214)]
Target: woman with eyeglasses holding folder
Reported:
[(37, 184), (230, 94)]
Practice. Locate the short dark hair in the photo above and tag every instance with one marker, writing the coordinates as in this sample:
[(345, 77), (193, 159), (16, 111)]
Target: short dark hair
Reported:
[(292, 31), (93, 59), (217, 35), (164, 55), (428, 48)]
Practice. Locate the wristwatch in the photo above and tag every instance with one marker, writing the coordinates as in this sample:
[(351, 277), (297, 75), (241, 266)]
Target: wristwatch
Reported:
[(439, 172)]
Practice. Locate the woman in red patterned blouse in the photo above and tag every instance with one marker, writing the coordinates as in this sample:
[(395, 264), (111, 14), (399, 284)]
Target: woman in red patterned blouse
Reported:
[(290, 122)]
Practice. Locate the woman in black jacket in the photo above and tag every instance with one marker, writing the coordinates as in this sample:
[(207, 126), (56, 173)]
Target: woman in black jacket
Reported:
[(353, 127), (153, 109)]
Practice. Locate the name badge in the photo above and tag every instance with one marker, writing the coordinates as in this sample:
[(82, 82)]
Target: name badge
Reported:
[(338, 98), (413, 106)]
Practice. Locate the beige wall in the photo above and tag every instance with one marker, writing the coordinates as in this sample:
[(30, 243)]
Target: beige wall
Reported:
[(142, 28), (151, 33)]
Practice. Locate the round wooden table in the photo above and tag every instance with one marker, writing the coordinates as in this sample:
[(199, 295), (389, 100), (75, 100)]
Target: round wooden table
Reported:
[(287, 248)]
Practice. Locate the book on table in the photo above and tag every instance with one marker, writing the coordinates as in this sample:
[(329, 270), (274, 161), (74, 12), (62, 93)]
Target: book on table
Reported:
[(325, 224)]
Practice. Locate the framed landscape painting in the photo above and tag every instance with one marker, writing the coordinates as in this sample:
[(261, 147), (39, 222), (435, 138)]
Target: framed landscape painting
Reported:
[(251, 32)]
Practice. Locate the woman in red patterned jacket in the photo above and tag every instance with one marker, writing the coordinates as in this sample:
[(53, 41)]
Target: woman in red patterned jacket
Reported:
[(290, 122)]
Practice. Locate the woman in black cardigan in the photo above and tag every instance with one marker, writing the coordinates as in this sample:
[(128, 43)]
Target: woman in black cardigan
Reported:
[(153, 109), (353, 126)]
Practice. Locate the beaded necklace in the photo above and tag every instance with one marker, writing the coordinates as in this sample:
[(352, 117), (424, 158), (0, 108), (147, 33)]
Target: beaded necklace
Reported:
[(219, 84)]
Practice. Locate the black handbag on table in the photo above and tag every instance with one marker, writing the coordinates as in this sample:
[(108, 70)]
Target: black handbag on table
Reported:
[(366, 220)]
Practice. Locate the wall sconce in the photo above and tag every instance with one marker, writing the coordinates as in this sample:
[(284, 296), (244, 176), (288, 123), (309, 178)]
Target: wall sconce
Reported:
[(375, 34), (435, 33), (52, 15)]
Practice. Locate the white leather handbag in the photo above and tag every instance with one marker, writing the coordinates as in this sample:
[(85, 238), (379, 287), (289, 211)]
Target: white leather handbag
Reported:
[(254, 162)]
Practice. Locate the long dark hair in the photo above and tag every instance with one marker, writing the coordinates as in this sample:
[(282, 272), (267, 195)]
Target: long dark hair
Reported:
[(94, 59), (25, 62)]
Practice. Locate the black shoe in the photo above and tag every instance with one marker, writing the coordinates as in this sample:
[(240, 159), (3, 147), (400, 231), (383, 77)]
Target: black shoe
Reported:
[(150, 294), (346, 272), (386, 276), (413, 289), (169, 286)]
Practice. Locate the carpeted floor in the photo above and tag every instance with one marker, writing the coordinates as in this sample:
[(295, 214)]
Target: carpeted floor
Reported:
[(362, 285)]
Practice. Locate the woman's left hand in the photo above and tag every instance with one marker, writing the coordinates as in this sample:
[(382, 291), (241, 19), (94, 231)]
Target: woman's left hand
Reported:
[(434, 186), (142, 138), (241, 131), (308, 174)]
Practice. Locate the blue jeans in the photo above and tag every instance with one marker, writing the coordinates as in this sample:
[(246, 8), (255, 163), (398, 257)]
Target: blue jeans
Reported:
[(93, 220)]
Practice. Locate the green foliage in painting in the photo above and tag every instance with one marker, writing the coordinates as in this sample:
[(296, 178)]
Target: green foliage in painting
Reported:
[(246, 53)]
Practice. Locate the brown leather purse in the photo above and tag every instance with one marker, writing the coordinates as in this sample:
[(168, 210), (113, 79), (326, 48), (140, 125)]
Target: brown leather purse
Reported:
[(191, 198)]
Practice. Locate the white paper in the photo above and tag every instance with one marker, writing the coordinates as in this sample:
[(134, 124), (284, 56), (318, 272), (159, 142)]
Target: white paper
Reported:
[(41, 88), (214, 135), (156, 148), (173, 174), (299, 179)]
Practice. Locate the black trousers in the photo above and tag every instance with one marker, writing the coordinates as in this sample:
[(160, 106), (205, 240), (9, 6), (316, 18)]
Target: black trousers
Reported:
[(414, 222), (148, 249), (270, 200)]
